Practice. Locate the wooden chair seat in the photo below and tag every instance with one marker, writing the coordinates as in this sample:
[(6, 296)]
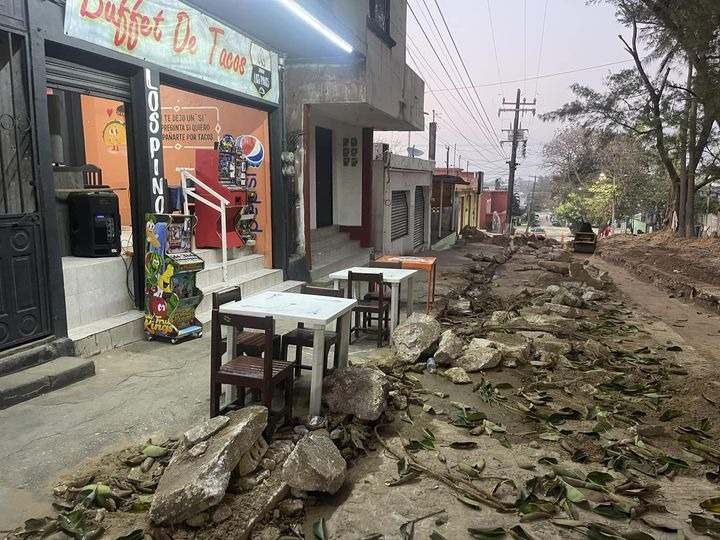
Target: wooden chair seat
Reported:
[(305, 337), (252, 367)]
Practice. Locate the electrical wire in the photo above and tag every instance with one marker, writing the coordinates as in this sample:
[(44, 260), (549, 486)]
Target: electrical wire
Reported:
[(542, 39), (546, 76), (492, 33), (462, 61), (442, 65)]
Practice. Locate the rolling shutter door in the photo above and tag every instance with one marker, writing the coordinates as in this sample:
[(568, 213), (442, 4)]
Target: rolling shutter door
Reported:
[(399, 215), (65, 75), (419, 231)]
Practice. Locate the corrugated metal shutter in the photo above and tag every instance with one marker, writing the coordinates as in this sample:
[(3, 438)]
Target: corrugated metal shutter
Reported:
[(66, 75), (399, 215), (419, 231)]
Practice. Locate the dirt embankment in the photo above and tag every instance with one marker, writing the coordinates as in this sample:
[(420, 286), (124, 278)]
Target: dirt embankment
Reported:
[(685, 268)]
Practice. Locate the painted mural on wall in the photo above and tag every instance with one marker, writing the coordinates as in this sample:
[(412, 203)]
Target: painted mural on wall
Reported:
[(171, 34)]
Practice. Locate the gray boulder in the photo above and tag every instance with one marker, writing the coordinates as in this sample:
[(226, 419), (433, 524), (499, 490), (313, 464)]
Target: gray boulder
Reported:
[(360, 391), (568, 299), (414, 335), (579, 272), (478, 358), (594, 296), (458, 375), (315, 465), (192, 484), (204, 431), (552, 344), (564, 311), (512, 346), (449, 349)]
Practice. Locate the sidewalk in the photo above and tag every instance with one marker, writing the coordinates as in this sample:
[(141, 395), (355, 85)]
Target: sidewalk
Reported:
[(140, 391)]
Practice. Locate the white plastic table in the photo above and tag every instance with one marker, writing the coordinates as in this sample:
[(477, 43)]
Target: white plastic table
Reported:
[(316, 312), (395, 277)]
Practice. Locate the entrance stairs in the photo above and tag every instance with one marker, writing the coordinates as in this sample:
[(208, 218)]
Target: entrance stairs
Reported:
[(126, 325), (333, 250)]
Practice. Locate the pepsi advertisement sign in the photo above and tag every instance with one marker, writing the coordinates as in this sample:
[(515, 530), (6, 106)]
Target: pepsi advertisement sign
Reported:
[(171, 34)]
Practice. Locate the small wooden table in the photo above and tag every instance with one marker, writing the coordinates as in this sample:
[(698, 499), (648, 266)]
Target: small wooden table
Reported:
[(315, 312), (429, 264), (395, 277)]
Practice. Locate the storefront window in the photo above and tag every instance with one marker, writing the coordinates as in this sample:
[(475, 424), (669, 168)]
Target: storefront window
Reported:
[(193, 124)]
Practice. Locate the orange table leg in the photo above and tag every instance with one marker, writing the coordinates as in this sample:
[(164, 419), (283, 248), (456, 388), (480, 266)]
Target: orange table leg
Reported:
[(429, 286)]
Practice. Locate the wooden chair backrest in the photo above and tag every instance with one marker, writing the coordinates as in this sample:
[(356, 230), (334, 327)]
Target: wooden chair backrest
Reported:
[(321, 291), (374, 281), (229, 294), (266, 324), (92, 175)]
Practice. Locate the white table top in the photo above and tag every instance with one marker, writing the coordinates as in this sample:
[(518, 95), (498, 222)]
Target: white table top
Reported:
[(390, 275), (291, 307)]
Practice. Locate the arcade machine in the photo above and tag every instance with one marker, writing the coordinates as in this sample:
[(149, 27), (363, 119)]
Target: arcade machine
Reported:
[(171, 295), (225, 170)]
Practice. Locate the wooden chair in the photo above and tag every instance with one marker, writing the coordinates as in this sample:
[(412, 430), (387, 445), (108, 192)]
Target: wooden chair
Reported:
[(373, 294), (92, 176), (263, 374), (304, 337), (368, 308), (249, 343)]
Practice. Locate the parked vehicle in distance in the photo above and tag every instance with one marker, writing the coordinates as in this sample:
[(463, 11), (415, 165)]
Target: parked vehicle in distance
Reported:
[(555, 222), (537, 232)]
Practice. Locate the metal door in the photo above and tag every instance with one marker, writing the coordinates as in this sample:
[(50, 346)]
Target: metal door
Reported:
[(323, 177), (399, 215), (419, 231), (23, 292)]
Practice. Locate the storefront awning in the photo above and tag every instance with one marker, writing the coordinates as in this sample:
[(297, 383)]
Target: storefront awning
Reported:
[(449, 179)]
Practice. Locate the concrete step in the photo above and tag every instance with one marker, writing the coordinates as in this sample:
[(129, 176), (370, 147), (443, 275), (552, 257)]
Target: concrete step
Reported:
[(250, 283), (211, 256), (357, 257), (213, 272), (33, 354), (318, 235), (125, 328), (44, 378), (347, 248)]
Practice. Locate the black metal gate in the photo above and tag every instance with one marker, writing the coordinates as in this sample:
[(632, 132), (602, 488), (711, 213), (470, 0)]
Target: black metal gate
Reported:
[(23, 292), (419, 230)]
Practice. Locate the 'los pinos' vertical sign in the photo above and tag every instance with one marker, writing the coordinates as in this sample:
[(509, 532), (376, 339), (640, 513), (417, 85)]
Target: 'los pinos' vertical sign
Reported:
[(168, 33)]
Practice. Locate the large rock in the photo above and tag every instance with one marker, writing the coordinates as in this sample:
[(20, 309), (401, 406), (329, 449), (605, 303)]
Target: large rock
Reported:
[(360, 391), (458, 375), (478, 358), (204, 431), (416, 334), (512, 346), (449, 349), (192, 484), (315, 465), (565, 298), (579, 272), (564, 311), (594, 296), (551, 344), (555, 267), (252, 458)]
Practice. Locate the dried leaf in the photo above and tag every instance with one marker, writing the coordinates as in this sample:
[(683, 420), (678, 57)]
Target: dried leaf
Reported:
[(154, 451), (436, 536), (550, 436), (518, 532), (479, 532), (669, 414), (573, 494), (469, 501), (463, 445), (405, 417), (319, 529), (711, 505), (137, 534), (567, 522), (599, 478), (704, 525)]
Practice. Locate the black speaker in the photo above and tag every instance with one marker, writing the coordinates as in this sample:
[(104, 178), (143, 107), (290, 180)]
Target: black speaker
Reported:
[(94, 224)]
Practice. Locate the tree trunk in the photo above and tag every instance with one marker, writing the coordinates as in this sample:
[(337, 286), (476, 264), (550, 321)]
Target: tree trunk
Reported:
[(686, 135)]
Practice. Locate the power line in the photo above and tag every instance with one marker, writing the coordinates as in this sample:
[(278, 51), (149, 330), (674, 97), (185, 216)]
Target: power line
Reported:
[(542, 38), (492, 33), (462, 61), (442, 106), (442, 65), (559, 73)]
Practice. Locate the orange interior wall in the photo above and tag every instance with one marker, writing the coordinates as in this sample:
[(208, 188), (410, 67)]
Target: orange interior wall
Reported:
[(106, 146), (192, 121)]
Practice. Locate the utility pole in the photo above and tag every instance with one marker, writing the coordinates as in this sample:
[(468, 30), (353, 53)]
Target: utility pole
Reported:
[(442, 185), (515, 138), (530, 205), (454, 155), (433, 138)]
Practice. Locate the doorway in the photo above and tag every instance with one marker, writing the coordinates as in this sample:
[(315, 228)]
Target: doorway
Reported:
[(323, 177), (24, 314)]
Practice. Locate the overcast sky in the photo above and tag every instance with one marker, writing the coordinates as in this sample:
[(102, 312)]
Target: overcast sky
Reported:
[(576, 36)]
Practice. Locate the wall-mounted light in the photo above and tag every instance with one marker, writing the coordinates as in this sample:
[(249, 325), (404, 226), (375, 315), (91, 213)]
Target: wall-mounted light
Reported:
[(317, 25)]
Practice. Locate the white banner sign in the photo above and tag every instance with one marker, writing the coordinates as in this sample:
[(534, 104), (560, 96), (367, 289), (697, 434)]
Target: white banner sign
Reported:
[(170, 34)]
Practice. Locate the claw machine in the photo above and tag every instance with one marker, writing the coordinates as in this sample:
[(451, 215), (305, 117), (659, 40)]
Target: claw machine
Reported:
[(171, 267)]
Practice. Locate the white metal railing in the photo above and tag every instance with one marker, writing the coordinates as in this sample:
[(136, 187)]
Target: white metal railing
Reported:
[(220, 207)]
